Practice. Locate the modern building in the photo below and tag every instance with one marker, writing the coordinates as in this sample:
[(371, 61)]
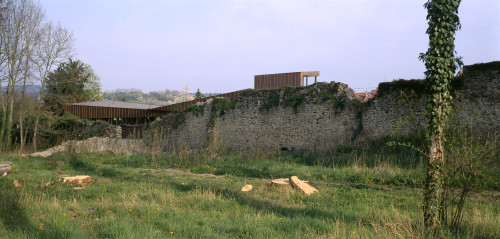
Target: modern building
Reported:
[(126, 113), (274, 81)]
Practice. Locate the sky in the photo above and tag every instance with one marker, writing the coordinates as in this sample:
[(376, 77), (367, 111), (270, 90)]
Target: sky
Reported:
[(219, 45)]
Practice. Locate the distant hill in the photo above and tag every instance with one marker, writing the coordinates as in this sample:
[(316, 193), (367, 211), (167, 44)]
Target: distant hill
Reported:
[(128, 95), (154, 97), (31, 90)]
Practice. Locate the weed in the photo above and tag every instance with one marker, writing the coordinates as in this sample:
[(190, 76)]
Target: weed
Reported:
[(293, 101), (195, 109), (218, 108), (273, 102), (366, 190)]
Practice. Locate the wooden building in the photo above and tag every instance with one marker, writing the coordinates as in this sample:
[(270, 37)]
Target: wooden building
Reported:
[(116, 112), (129, 114), (274, 81), (183, 105)]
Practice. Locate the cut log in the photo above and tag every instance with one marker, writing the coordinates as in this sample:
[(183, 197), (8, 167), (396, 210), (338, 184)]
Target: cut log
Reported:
[(247, 188), (6, 169), (283, 182), (304, 187), (5, 162), (77, 179)]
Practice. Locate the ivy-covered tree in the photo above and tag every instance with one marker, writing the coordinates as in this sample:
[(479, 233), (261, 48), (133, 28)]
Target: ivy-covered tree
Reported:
[(71, 82), (441, 64)]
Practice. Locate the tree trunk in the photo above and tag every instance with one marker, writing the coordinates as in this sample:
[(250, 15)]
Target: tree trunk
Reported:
[(10, 112), (434, 186), (35, 131), (21, 116), (21, 112), (3, 117), (2, 126), (8, 128)]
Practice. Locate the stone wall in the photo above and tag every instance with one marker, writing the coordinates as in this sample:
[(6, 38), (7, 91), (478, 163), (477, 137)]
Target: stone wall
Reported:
[(323, 115)]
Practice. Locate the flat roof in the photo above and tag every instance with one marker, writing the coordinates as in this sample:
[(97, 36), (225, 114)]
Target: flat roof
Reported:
[(303, 73), (116, 104)]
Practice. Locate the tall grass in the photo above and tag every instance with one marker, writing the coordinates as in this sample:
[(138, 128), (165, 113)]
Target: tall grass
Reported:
[(133, 196)]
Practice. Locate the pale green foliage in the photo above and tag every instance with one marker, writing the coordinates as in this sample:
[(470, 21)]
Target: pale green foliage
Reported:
[(92, 87)]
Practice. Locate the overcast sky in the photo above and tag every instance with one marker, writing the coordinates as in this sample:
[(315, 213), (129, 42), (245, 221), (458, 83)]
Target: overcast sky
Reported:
[(219, 45)]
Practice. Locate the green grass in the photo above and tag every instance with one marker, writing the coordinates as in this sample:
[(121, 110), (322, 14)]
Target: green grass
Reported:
[(137, 196)]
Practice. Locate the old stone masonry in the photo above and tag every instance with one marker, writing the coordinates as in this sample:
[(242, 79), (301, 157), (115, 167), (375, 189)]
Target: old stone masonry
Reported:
[(322, 115)]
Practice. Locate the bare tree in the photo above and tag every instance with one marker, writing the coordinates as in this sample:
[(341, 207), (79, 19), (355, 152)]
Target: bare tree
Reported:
[(55, 45), (29, 48), (184, 95), (3, 106), (21, 23), (31, 35)]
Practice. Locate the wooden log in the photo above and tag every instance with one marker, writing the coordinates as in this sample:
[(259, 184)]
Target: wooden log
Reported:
[(247, 188), (5, 170), (304, 187), (283, 182)]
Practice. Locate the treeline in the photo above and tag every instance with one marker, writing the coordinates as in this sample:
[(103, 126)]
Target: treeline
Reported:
[(154, 97), (37, 77)]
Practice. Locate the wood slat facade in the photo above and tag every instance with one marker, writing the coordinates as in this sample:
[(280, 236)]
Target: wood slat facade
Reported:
[(99, 112), (184, 105), (275, 81), (270, 81)]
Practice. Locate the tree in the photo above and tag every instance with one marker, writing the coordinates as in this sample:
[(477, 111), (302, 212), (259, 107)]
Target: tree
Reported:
[(197, 95), (184, 95), (19, 33), (29, 48), (55, 44), (441, 64), (71, 82), (92, 87)]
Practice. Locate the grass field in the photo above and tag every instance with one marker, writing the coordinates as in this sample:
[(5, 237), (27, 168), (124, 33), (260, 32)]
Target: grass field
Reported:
[(363, 194)]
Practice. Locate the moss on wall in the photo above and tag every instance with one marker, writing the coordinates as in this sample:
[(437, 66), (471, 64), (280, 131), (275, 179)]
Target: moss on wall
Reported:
[(218, 108), (415, 85), (336, 93), (195, 109), (490, 66)]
